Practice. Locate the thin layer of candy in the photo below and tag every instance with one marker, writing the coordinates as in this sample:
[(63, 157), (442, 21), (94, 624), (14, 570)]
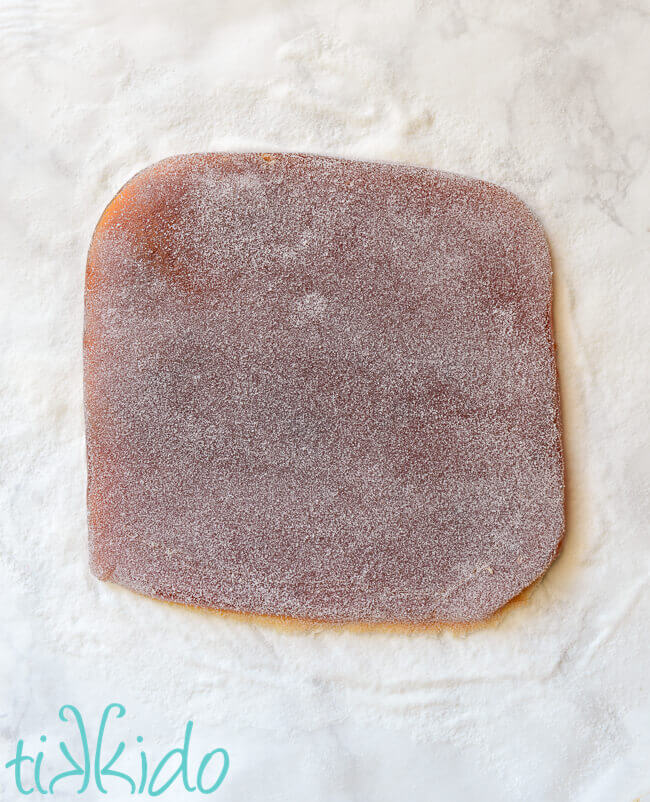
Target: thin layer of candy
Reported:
[(321, 388)]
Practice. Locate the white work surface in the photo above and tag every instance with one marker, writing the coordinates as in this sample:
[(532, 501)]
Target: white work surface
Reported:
[(549, 99)]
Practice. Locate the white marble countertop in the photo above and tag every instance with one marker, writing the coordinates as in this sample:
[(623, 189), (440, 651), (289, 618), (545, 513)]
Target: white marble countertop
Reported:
[(549, 99)]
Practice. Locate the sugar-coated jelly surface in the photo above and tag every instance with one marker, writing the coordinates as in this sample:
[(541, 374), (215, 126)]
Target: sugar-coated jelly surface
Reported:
[(321, 388)]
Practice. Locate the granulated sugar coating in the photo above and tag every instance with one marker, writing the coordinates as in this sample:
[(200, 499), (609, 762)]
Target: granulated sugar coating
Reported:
[(321, 388)]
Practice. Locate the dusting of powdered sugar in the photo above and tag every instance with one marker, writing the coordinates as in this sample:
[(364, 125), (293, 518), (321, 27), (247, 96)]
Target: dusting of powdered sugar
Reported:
[(321, 388)]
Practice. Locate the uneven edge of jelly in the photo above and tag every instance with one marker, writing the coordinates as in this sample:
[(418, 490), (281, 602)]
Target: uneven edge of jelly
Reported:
[(297, 625)]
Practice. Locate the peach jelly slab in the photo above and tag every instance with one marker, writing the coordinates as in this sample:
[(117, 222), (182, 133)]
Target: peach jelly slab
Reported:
[(321, 388)]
